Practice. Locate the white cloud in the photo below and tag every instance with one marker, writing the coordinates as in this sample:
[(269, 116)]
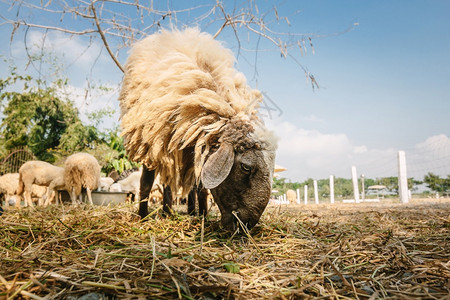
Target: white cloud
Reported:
[(313, 154), (75, 50), (64, 56), (360, 149)]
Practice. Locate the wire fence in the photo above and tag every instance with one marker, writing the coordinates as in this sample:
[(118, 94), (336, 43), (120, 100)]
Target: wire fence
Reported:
[(14, 159)]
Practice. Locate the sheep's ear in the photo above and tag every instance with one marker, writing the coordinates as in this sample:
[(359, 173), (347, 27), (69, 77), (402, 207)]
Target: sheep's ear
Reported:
[(218, 166)]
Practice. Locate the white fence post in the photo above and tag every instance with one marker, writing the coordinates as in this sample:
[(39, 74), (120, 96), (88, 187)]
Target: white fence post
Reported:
[(402, 178), (331, 189), (316, 192), (298, 196), (355, 184), (363, 189), (306, 194)]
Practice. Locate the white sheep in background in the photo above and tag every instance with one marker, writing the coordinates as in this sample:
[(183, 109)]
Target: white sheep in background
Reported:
[(129, 184), (40, 173), (38, 194), (115, 187), (81, 171), (9, 183), (105, 183), (291, 196), (190, 117)]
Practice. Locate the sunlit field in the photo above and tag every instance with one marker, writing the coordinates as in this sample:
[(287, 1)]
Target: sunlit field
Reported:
[(364, 250)]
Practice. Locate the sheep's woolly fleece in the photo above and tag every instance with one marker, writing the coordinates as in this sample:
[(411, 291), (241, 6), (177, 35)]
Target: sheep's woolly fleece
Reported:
[(81, 170), (181, 97), (9, 183)]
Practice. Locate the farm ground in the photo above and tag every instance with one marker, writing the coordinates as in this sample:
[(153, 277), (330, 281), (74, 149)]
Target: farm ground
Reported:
[(340, 251)]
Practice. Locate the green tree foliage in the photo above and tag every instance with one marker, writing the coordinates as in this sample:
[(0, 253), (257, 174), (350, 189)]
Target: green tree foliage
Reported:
[(116, 157), (437, 183), (390, 182), (36, 117), (343, 187)]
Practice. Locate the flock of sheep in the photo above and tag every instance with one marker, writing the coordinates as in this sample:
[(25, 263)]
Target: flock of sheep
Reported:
[(41, 181), (189, 117)]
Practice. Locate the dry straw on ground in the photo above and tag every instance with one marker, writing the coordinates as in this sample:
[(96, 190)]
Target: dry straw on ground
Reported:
[(345, 251)]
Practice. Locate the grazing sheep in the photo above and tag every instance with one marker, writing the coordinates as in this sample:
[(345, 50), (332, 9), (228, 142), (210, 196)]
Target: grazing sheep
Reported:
[(105, 183), (127, 173), (38, 194), (131, 184), (9, 183), (81, 170), (189, 116), (40, 173), (115, 187), (291, 196)]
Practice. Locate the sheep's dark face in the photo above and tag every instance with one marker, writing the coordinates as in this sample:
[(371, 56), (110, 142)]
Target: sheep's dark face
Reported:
[(246, 187)]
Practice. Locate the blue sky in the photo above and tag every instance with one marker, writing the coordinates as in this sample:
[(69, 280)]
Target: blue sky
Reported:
[(383, 68)]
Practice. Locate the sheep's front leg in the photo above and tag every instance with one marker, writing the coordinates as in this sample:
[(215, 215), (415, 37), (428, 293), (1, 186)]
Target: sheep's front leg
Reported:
[(191, 202), (167, 201), (41, 201), (146, 183), (27, 196), (73, 196), (18, 201), (50, 195), (88, 192), (51, 192), (202, 195), (7, 197)]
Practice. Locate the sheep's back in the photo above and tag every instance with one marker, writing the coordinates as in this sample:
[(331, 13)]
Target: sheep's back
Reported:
[(179, 90), (175, 62), (81, 170), (39, 172)]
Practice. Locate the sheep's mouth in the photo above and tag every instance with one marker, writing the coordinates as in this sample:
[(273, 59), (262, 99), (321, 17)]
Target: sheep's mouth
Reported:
[(234, 223)]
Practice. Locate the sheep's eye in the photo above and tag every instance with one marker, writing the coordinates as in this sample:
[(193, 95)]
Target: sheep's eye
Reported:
[(246, 168)]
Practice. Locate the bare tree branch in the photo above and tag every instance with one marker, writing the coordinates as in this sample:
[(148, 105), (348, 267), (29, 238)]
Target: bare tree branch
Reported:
[(102, 35), (48, 27), (119, 23)]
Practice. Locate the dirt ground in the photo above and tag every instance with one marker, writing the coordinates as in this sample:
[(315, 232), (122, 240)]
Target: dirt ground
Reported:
[(341, 251)]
